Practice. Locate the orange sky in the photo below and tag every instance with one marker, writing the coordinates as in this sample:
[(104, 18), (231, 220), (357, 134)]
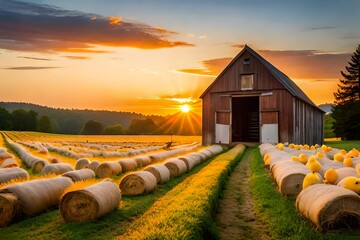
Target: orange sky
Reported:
[(127, 56)]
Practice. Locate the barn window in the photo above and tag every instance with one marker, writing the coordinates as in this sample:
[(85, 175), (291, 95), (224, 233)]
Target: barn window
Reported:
[(246, 82), (246, 61)]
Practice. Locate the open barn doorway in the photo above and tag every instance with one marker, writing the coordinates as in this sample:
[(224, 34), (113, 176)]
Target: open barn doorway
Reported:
[(245, 119)]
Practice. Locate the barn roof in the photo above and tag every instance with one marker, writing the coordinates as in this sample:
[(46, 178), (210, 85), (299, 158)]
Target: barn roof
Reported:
[(283, 79)]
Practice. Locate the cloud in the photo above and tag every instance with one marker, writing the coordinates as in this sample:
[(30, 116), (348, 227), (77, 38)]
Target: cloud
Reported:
[(78, 57), (26, 26), (320, 28), (35, 58), (240, 46), (29, 68), (298, 64), (212, 67)]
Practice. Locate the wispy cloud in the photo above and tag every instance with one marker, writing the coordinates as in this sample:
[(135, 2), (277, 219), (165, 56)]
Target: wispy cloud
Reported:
[(35, 27), (78, 57), (320, 28), (35, 58), (29, 68), (300, 64), (239, 45)]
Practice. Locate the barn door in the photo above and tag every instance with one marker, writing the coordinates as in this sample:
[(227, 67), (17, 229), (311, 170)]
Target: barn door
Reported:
[(269, 127), (222, 127)]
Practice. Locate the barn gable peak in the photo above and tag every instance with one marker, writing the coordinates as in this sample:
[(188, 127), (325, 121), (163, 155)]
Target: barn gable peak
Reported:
[(280, 76)]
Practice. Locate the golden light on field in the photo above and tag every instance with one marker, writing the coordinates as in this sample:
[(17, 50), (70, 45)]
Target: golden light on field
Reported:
[(185, 108)]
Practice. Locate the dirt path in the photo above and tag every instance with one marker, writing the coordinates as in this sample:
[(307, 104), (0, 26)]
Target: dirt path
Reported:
[(236, 217)]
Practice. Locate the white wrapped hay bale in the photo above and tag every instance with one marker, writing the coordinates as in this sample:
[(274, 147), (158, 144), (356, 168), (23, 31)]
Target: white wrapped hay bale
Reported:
[(345, 172), (160, 171), (8, 174), (329, 206), (91, 202), (80, 175), (138, 183), (9, 163), (93, 165), (57, 168), (190, 162)]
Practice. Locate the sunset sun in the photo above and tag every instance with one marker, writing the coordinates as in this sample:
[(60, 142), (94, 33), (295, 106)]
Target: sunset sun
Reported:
[(185, 108)]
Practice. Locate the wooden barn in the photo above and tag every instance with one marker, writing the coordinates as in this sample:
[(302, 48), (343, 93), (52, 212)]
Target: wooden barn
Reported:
[(253, 101)]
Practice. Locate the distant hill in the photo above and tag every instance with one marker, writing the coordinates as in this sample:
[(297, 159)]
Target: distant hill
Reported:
[(71, 121), (326, 107)]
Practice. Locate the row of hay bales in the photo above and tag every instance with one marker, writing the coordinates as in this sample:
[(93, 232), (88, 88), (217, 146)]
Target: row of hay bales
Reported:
[(25, 199), (35, 145), (325, 186), (7, 160), (112, 168), (145, 181), (31, 161)]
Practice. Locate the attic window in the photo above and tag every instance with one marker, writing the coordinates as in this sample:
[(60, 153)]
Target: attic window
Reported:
[(246, 61), (246, 82)]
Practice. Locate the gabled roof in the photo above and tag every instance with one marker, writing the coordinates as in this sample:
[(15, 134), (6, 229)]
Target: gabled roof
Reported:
[(283, 79)]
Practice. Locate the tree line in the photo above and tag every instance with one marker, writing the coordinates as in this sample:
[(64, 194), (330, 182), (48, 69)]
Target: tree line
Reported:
[(22, 120)]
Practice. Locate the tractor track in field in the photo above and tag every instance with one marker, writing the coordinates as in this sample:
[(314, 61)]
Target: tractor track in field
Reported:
[(236, 217)]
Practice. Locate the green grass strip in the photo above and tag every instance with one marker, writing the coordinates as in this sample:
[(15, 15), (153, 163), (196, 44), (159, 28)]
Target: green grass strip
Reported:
[(279, 213), (186, 211)]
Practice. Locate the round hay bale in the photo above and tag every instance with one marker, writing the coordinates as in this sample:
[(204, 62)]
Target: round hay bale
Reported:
[(190, 162), (9, 208), (4, 154), (327, 164), (82, 162), (108, 169), (160, 171), (215, 149), (91, 202), (79, 175), (142, 161), (57, 168), (289, 177), (36, 196), (37, 166), (93, 165), (345, 172), (207, 153), (329, 207), (176, 167), (197, 156), (138, 183), (128, 164), (7, 174), (9, 163)]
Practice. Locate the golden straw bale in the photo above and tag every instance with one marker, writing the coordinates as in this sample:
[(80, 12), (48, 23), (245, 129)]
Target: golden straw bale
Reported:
[(7, 174), (108, 169), (79, 175), (137, 183), (82, 162), (91, 202), (33, 197), (160, 171), (128, 164), (142, 161), (93, 165), (9, 163), (57, 168), (176, 167), (329, 206)]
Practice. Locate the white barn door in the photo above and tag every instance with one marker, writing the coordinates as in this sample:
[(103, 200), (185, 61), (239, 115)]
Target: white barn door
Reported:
[(269, 127), (222, 127)]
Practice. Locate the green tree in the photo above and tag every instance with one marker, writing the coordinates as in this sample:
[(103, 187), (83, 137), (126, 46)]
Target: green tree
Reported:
[(5, 119), (346, 111), (23, 120), (138, 126), (92, 128), (44, 125), (116, 129)]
